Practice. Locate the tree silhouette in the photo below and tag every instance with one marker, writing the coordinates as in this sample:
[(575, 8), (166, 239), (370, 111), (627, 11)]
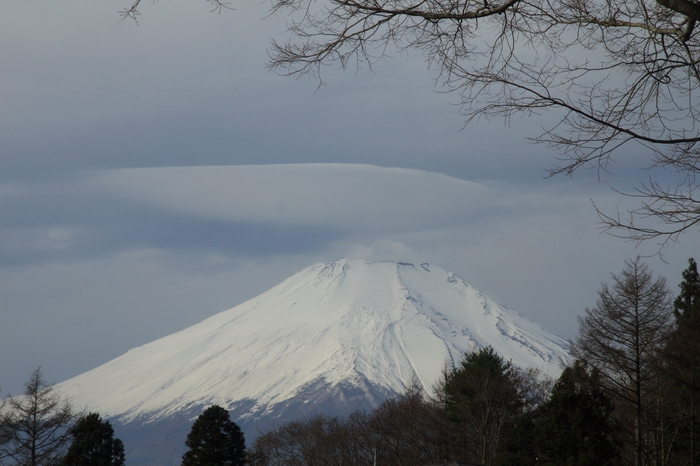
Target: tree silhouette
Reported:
[(215, 440), (482, 397), (683, 356), (94, 444), (575, 426), (36, 425), (622, 338)]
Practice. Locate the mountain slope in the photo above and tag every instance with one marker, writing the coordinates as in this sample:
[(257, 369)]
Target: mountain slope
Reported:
[(332, 338), (351, 320)]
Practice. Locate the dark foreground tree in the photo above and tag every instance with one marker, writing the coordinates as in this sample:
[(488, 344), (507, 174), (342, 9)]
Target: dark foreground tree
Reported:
[(686, 306), (215, 440), (683, 360), (94, 444), (482, 398), (574, 427), (622, 339), (36, 425), (623, 77)]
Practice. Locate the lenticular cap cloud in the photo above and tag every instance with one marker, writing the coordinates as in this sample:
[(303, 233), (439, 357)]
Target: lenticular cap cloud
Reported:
[(349, 196)]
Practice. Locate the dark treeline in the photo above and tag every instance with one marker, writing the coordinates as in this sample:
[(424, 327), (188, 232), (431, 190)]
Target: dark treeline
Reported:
[(478, 406), (629, 398)]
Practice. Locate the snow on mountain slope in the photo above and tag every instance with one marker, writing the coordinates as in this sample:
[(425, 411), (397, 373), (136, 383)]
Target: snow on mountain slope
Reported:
[(351, 323)]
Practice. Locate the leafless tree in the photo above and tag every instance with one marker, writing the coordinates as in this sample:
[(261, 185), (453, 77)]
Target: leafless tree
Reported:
[(405, 431), (318, 440), (618, 73), (132, 12), (5, 432), (36, 425), (622, 78), (622, 338)]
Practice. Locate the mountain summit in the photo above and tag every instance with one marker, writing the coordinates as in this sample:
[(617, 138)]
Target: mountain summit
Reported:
[(333, 338)]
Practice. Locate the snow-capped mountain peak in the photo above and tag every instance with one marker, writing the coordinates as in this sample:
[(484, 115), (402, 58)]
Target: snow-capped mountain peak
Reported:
[(357, 329)]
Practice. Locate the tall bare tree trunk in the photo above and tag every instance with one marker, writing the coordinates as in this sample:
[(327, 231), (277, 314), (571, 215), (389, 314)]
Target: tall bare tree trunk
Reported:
[(622, 337)]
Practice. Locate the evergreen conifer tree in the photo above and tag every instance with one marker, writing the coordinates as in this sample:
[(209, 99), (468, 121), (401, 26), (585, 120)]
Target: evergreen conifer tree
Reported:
[(215, 440), (683, 357), (686, 306), (482, 398), (573, 428), (575, 425), (94, 444)]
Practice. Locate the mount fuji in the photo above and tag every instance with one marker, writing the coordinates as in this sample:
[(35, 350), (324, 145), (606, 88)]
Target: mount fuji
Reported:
[(332, 339)]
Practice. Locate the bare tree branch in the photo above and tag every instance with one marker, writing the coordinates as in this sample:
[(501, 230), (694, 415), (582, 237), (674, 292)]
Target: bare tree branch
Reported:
[(132, 12), (619, 75)]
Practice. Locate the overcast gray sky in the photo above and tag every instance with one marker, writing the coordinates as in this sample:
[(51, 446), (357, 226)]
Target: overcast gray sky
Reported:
[(153, 175)]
